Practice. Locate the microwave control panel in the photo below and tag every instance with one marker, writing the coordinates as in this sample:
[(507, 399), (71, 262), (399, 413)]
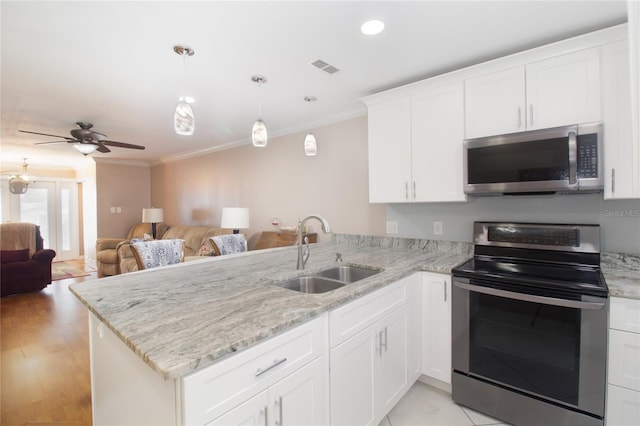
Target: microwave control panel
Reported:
[(588, 156)]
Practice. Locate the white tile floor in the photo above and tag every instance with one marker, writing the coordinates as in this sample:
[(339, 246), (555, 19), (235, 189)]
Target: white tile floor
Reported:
[(427, 406)]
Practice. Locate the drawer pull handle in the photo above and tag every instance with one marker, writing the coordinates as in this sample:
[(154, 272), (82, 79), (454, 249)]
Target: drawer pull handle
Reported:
[(276, 362)]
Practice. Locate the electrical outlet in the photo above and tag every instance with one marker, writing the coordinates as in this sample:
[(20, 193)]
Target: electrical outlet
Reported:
[(112, 209), (392, 227), (438, 229)]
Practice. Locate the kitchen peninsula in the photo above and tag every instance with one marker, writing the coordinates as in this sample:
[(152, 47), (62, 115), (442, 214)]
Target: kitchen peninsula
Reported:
[(160, 337)]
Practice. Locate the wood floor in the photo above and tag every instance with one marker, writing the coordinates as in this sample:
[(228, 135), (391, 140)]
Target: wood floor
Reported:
[(45, 375)]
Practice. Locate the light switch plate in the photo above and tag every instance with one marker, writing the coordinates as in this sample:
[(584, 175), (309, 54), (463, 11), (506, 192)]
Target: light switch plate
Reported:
[(392, 227)]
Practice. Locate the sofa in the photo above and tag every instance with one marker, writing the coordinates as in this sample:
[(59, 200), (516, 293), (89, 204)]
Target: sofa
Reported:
[(107, 248), (25, 265), (197, 243)]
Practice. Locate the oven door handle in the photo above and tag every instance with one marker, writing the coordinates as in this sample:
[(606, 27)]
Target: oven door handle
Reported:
[(594, 306)]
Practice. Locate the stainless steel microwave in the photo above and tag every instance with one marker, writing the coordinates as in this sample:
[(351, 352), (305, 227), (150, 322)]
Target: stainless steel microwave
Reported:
[(561, 159)]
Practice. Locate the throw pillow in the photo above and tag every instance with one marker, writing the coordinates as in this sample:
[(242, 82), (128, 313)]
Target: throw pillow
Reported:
[(7, 256), (230, 243), (151, 254), (205, 249)]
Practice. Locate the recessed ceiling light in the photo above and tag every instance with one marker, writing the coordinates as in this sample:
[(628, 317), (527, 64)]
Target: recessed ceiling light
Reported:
[(372, 27)]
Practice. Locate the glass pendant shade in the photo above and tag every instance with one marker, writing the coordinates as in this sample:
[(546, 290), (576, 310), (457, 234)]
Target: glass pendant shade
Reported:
[(183, 119), (310, 145), (85, 148), (259, 135)]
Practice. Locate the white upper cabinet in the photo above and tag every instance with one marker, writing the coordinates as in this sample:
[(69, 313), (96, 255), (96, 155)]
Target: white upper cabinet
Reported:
[(621, 153), (495, 103), (415, 147), (390, 151), (553, 92), (437, 132)]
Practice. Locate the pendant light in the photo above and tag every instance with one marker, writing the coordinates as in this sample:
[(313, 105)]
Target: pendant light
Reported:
[(18, 184), (259, 135), (183, 120), (310, 144)]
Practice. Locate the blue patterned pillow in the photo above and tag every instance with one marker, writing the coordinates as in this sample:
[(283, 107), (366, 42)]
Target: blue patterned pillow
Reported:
[(230, 243), (154, 253)]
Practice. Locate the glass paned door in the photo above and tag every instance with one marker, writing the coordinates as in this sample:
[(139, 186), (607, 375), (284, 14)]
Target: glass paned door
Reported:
[(54, 206)]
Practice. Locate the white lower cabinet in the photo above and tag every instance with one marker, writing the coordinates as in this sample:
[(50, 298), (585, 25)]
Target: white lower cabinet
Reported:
[(623, 390), (376, 364), (299, 399), (436, 326), (347, 367)]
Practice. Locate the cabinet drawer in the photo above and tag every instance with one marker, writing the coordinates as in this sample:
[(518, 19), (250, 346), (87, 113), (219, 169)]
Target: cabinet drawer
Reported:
[(211, 392), (625, 314), (350, 319), (624, 359)]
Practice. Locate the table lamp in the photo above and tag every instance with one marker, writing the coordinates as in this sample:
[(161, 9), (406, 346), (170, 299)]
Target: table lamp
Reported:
[(152, 216), (235, 218)]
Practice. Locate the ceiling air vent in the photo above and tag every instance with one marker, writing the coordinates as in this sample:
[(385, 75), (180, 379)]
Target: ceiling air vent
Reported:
[(324, 66)]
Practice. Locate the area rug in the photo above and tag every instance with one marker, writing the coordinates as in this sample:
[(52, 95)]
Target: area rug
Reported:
[(62, 270)]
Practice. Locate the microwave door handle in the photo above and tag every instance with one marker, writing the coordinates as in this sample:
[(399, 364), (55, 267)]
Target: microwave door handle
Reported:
[(594, 306), (573, 158)]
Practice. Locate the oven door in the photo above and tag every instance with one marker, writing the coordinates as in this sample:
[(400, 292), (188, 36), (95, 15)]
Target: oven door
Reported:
[(534, 343)]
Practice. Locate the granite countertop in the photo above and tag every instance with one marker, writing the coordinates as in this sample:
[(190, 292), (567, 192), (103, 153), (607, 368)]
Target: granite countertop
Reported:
[(181, 318), (184, 317)]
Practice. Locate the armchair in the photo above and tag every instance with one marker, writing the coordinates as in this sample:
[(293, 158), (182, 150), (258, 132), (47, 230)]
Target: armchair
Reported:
[(107, 258), (25, 265)]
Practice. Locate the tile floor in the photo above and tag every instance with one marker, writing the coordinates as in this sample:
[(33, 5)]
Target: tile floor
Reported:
[(424, 405)]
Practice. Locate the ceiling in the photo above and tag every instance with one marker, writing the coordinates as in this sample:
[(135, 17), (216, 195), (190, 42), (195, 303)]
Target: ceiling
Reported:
[(112, 63)]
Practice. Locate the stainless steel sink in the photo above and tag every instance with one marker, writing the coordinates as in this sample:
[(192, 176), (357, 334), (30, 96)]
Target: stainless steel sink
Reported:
[(348, 273), (311, 284)]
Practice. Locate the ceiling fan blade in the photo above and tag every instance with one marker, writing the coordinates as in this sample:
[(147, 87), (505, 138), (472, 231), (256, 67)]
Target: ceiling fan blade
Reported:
[(102, 148), (43, 143), (122, 144), (46, 134)]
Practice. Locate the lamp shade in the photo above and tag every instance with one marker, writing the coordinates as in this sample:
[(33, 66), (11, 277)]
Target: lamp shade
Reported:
[(152, 215), (183, 119), (259, 134), (235, 218), (310, 145)]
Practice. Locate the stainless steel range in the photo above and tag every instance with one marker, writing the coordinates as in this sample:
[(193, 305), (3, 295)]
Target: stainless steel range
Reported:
[(529, 328)]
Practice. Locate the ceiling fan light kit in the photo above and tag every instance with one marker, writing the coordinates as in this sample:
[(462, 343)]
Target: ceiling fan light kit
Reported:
[(183, 119), (259, 134), (85, 148)]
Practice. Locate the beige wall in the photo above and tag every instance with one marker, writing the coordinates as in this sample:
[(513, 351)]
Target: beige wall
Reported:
[(276, 181), (121, 185)]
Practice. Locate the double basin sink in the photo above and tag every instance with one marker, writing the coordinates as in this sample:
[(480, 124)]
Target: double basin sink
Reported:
[(328, 279)]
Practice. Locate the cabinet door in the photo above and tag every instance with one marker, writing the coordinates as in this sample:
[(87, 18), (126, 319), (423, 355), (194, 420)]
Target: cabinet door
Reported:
[(564, 90), (437, 124), (621, 157), (391, 379), (352, 373), (436, 326), (301, 398), (495, 103), (253, 412), (623, 407), (389, 151)]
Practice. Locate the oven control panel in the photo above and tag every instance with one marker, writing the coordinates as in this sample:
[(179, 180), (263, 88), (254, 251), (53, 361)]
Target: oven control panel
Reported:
[(542, 236), (536, 236)]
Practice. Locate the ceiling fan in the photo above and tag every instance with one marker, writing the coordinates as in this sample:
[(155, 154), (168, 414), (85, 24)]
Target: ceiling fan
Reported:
[(86, 140)]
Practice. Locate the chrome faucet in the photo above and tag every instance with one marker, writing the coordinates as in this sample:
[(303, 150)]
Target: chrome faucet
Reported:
[(302, 260)]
